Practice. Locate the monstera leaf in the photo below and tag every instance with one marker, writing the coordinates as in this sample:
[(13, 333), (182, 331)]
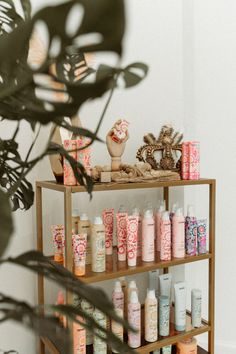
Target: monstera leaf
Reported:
[(5, 222)]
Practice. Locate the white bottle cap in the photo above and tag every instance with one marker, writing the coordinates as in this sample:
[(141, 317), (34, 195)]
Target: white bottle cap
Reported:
[(179, 212), (132, 284), (190, 210), (75, 212), (84, 217), (148, 213), (98, 220), (117, 286), (174, 207), (151, 294), (165, 216), (135, 211), (122, 209), (134, 297)]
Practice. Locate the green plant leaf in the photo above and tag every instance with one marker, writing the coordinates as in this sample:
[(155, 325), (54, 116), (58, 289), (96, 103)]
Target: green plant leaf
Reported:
[(6, 222), (134, 73)]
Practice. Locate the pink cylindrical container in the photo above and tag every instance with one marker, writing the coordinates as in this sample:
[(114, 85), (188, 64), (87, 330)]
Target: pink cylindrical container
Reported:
[(84, 156), (178, 234), (191, 232), (69, 177), (79, 337), (161, 209), (134, 319), (165, 253), (79, 250), (136, 212), (185, 160), (194, 160), (108, 221), (58, 235), (132, 238), (148, 237), (118, 296), (121, 226), (201, 236)]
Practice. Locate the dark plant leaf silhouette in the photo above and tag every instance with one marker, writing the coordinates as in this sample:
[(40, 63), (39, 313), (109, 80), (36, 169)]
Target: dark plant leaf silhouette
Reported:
[(6, 222)]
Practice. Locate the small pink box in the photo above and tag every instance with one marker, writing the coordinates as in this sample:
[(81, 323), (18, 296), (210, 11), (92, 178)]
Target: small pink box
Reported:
[(194, 160), (69, 177), (185, 160)]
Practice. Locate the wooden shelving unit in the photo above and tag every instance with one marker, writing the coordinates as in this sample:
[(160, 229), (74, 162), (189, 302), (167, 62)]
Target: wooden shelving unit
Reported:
[(117, 269)]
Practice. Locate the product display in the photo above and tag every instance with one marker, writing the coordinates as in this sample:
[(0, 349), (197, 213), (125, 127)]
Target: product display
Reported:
[(75, 221), (165, 285), (191, 160), (84, 154), (98, 245), (132, 239), (196, 307), (121, 229)]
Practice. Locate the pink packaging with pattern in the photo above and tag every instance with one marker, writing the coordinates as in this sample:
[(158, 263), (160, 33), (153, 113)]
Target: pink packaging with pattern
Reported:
[(84, 155), (121, 227), (185, 160), (132, 239), (69, 177), (108, 221), (165, 252), (194, 160)]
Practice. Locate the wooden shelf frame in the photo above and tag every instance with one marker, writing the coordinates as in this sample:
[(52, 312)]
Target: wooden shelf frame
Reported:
[(121, 270)]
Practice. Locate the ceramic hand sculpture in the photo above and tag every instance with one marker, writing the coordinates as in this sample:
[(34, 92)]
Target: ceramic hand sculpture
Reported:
[(116, 141)]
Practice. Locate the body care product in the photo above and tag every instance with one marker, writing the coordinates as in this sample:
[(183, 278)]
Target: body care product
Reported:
[(117, 328), (61, 301), (132, 240), (196, 307), (75, 220), (132, 286), (98, 246), (99, 345), (194, 160), (151, 311), (84, 227), (58, 235), (165, 238), (125, 292), (191, 232), (148, 237), (180, 291), (79, 338), (136, 212), (185, 160), (165, 285), (178, 234), (167, 349), (161, 209), (79, 252), (69, 177), (84, 153), (108, 221), (121, 228), (164, 316), (134, 319), (88, 309), (188, 346), (201, 236), (118, 296)]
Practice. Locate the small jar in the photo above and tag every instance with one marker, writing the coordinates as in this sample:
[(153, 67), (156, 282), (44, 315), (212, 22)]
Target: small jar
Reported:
[(187, 346)]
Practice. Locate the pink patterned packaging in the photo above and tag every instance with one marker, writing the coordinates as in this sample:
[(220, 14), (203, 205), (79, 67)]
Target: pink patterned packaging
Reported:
[(132, 240), (119, 131), (69, 177), (191, 235), (84, 156), (79, 242), (185, 160), (136, 212), (194, 160), (58, 235), (165, 251), (108, 221), (201, 236), (121, 228)]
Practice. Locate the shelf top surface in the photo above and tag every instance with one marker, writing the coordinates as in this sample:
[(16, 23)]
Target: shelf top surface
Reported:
[(121, 186)]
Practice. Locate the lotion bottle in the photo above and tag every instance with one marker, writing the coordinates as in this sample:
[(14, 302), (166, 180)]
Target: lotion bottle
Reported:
[(151, 311), (165, 238), (178, 234), (134, 319), (148, 237), (84, 228), (98, 246)]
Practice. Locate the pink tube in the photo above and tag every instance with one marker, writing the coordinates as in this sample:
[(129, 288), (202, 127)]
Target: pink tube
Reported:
[(185, 160), (69, 177), (132, 239), (58, 235), (121, 227), (108, 221), (79, 250)]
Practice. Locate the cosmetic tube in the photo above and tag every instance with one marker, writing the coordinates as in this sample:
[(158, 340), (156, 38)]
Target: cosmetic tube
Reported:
[(164, 316), (69, 177), (196, 307), (191, 232), (180, 306), (88, 309), (194, 160), (188, 346), (151, 316), (161, 209), (84, 227), (108, 221), (165, 285), (99, 345), (178, 234), (148, 237), (167, 349), (79, 252), (185, 161), (98, 245), (165, 238), (117, 328), (58, 235), (121, 228), (75, 220), (79, 337), (134, 319), (132, 240), (136, 212), (201, 236)]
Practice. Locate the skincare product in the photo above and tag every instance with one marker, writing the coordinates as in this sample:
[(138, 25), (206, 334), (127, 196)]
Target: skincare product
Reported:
[(118, 296), (191, 232), (84, 227), (79, 252), (188, 346), (180, 306), (136, 212), (185, 160), (121, 228), (164, 316), (148, 237), (165, 285), (99, 346), (88, 309), (201, 236), (196, 307), (132, 239), (69, 177), (165, 238), (151, 311), (167, 349), (98, 246), (108, 221), (178, 234), (161, 209), (117, 328), (58, 242), (134, 319), (194, 160), (79, 337), (75, 220)]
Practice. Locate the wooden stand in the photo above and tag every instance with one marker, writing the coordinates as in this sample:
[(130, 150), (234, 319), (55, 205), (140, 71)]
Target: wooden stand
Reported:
[(117, 269)]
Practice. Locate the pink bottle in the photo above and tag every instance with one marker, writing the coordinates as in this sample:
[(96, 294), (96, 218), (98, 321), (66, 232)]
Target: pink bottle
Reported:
[(136, 212), (161, 209), (134, 319), (178, 234), (148, 237), (165, 252)]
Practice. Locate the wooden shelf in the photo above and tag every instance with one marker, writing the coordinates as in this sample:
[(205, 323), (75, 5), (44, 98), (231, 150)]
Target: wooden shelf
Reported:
[(98, 187)]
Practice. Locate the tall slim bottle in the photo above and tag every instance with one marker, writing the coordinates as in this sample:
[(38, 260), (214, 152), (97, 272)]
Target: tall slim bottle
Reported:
[(148, 237), (99, 345), (165, 239), (98, 245), (136, 212), (151, 311), (84, 227), (134, 319), (191, 232), (118, 302), (178, 234), (161, 209)]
